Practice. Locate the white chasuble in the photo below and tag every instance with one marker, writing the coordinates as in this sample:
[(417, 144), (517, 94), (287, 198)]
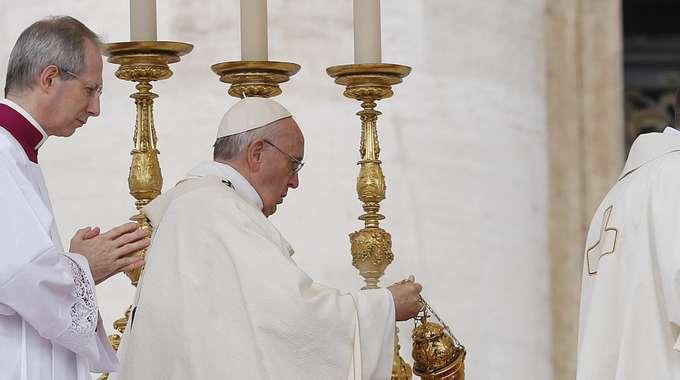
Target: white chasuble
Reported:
[(49, 322), (221, 297), (630, 296)]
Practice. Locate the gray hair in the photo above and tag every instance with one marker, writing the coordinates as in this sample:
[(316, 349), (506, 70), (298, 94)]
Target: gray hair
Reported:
[(229, 147), (57, 41)]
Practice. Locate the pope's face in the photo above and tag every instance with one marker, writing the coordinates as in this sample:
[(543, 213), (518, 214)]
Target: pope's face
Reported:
[(74, 99), (277, 176)]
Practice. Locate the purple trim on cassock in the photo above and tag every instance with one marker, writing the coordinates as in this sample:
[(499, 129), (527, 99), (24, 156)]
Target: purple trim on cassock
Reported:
[(22, 130)]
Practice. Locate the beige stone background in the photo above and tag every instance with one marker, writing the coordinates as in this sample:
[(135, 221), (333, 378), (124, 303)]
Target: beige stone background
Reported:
[(496, 149), (586, 129)]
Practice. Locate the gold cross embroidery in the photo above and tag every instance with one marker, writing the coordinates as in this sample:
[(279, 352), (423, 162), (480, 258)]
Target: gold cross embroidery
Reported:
[(605, 245)]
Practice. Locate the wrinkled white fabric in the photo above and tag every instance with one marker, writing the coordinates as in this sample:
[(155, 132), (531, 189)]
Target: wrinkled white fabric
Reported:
[(49, 321), (238, 183), (221, 297), (630, 296)]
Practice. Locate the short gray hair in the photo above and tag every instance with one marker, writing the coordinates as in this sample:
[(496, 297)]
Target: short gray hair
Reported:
[(229, 147), (58, 41)]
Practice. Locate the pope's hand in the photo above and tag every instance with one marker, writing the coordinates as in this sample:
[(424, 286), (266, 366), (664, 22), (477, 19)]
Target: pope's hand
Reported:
[(406, 296), (109, 253)]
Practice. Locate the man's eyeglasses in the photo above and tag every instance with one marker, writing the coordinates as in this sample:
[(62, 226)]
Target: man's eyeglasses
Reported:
[(92, 89), (297, 164)]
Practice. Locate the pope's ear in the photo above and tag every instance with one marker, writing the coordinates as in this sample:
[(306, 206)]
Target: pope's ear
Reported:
[(254, 155), (47, 77)]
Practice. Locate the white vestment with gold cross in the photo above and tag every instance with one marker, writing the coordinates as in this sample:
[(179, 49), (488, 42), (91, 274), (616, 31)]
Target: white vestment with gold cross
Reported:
[(630, 295), (222, 298)]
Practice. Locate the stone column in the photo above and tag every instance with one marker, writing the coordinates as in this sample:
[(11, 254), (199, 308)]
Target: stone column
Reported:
[(586, 145)]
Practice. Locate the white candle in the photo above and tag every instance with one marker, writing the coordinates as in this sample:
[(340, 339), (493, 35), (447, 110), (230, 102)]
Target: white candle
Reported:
[(143, 20), (367, 31), (254, 30)]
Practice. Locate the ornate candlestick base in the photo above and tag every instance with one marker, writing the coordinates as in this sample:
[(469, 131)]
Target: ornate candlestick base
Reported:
[(143, 62), (372, 245), (400, 369), (255, 78)]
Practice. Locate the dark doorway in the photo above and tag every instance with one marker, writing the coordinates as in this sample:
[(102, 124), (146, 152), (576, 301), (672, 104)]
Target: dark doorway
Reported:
[(651, 30)]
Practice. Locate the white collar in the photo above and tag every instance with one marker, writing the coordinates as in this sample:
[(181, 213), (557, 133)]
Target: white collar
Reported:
[(28, 117), (650, 146), (239, 182)]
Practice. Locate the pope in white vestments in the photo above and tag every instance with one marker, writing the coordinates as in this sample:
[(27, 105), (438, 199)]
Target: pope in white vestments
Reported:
[(630, 297), (50, 326), (222, 298)]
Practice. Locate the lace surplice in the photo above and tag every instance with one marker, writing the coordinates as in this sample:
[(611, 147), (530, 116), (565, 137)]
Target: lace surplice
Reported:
[(84, 314)]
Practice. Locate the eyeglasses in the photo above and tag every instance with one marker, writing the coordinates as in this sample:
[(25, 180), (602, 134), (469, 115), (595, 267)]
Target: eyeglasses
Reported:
[(297, 164), (92, 89)]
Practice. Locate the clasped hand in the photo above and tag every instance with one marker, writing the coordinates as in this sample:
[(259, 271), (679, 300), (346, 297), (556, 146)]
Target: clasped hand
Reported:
[(110, 253)]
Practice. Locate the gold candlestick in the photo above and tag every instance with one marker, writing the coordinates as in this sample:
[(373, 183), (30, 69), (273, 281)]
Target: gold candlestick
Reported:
[(368, 83), (372, 245), (143, 62)]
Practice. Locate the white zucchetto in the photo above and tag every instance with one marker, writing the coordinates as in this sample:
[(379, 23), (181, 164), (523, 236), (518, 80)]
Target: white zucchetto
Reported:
[(250, 113)]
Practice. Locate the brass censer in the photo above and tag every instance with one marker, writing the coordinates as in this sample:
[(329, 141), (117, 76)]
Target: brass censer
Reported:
[(437, 354)]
